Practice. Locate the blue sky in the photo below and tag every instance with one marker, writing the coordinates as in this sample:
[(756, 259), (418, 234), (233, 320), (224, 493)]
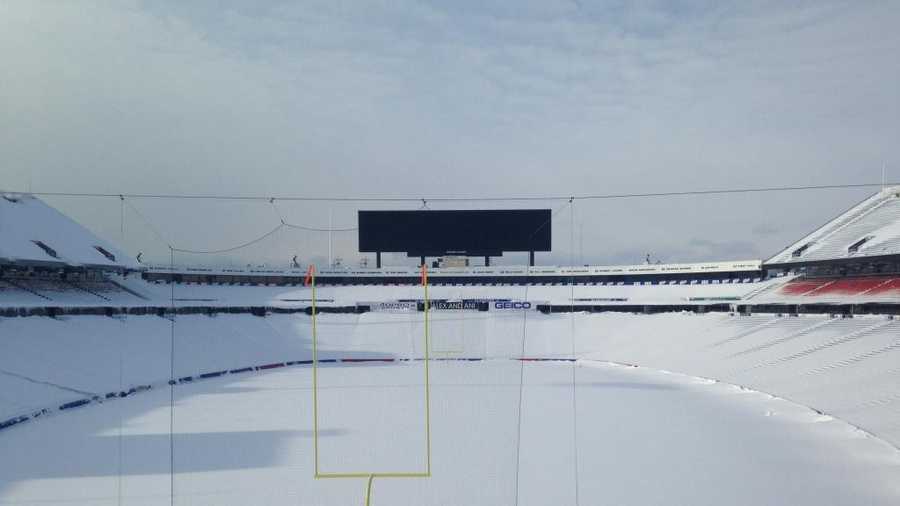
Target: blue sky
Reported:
[(453, 99)]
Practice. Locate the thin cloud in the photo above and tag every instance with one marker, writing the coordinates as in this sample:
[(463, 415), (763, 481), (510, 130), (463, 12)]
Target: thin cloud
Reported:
[(411, 98)]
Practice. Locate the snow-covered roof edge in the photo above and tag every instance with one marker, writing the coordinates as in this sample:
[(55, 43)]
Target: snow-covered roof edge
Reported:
[(785, 256), (33, 233)]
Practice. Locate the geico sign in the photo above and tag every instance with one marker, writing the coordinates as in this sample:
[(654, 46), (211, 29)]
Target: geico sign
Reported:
[(506, 304)]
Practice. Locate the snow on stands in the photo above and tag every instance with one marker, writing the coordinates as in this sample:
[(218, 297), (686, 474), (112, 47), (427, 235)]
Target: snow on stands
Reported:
[(844, 290), (847, 367), (132, 291), (75, 290), (34, 233), (14, 296), (243, 415), (287, 296), (870, 229)]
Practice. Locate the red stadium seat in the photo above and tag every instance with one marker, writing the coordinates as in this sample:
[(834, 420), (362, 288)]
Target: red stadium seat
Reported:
[(851, 286), (890, 287), (803, 286), (875, 285)]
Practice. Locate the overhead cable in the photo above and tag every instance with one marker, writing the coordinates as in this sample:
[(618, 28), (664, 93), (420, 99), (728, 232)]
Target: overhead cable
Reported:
[(419, 198), (233, 248)]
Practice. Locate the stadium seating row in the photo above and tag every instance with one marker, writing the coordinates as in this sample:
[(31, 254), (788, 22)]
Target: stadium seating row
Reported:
[(851, 287), (27, 290)]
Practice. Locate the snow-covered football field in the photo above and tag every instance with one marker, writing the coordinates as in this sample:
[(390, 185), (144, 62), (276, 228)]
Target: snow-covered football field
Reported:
[(503, 431)]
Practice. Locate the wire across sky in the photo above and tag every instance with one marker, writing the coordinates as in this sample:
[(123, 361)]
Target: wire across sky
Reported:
[(425, 198)]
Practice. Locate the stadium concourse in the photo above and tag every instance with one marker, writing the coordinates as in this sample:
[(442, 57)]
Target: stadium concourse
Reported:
[(754, 382)]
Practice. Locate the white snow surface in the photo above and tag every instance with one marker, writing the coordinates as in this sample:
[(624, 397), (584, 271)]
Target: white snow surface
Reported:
[(884, 240), (876, 218), (25, 218), (675, 430)]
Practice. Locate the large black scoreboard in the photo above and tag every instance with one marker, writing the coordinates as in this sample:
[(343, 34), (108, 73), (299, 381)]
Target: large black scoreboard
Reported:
[(455, 232)]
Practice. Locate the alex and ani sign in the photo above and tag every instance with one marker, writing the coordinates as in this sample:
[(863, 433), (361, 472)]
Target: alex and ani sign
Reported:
[(457, 305)]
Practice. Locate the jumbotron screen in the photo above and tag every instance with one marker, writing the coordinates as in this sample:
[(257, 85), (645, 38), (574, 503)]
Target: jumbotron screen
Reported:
[(456, 232)]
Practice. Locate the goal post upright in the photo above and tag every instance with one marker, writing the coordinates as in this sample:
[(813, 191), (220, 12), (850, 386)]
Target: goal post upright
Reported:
[(427, 377), (311, 280), (369, 476)]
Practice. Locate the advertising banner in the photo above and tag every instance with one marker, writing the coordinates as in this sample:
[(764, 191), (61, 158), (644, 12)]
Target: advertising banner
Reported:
[(515, 305), (456, 305), (395, 306)]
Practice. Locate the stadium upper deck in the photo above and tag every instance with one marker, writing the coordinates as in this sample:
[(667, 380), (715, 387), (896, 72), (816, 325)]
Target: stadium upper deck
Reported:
[(49, 261), (37, 235), (869, 232)]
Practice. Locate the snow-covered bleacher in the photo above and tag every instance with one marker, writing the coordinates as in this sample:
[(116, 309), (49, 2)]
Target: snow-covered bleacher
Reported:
[(47, 259), (12, 295), (48, 289), (35, 234), (833, 290), (581, 294), (870, 229), (845, 367)]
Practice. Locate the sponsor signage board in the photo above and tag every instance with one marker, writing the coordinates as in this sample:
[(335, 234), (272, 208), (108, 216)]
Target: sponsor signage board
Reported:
[(402, 306), (456, 305), (515, 305), (395, 306)]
